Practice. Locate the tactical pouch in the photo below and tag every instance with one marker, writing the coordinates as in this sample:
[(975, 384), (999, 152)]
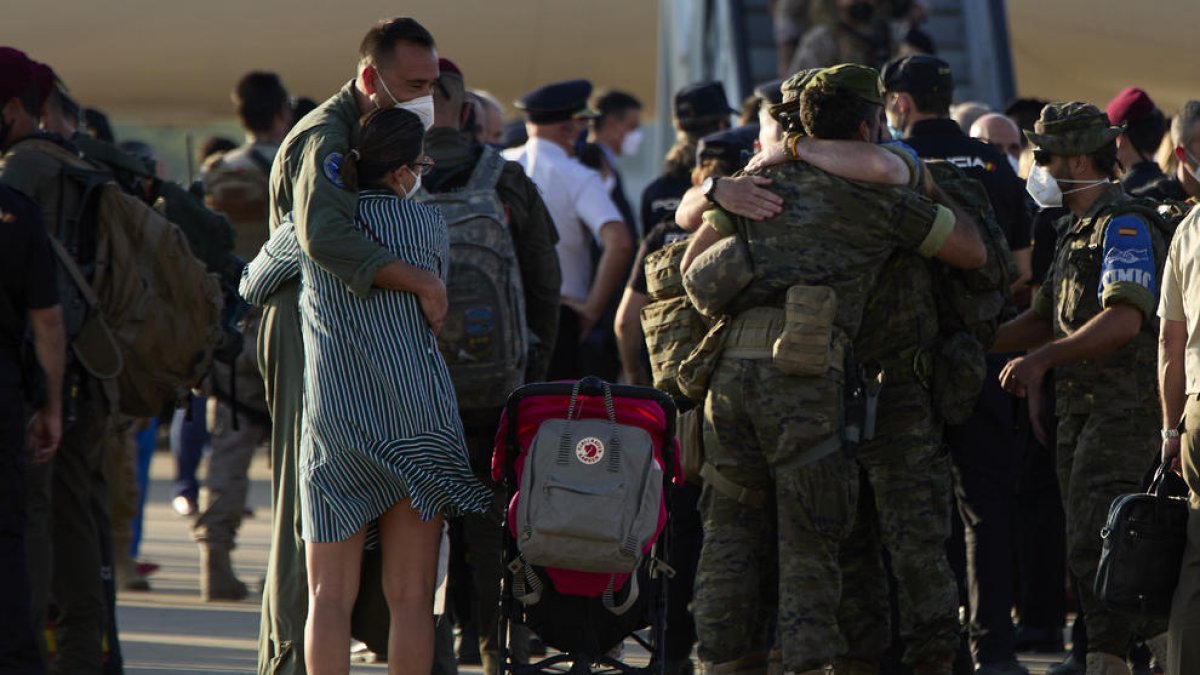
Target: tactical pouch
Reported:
[(672, 329), (697, 369), (959, 368), (690, 430), (805, 348), (663, 278), (718, 275)]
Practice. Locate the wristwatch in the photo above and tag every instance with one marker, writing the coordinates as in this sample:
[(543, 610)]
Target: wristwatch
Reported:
[(709, 188), (1169, 433)]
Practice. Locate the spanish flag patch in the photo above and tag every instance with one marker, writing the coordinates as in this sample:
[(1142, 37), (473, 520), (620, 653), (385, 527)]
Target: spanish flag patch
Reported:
[(1127, 231)]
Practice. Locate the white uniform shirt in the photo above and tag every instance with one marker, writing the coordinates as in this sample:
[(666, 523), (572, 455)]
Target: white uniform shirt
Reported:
[(578, 203), (1180, 298)]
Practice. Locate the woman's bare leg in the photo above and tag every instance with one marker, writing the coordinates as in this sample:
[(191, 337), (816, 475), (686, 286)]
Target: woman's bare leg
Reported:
[(333, 571), (410, 557)]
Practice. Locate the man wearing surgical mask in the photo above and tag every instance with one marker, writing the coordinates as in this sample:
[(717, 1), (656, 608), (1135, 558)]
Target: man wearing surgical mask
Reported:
[(398, 65), (617, 129), (1092, 322)]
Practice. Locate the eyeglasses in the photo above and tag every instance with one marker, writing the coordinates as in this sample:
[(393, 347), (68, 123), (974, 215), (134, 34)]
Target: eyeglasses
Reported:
[(1042, 157), (423, 167)]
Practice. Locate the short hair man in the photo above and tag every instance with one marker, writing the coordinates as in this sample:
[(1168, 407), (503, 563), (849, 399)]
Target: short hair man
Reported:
[(1092, 322), (1179, 389), (919, 92), (490, 120), (1000, 132), (236, 184), (617, 129), (764, 453), (457, 158), (583, 213), (397, 66), (1144, 127)]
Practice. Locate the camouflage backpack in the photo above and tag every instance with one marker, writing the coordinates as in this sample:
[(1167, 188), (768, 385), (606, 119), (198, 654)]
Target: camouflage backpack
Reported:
[(244, 196), (670, 322), (971, 303), (484, 338)]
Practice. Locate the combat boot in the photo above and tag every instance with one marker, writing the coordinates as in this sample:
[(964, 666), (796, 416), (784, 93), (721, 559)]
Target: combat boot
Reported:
[(217, 580), (1158, 647), (1099, 663)]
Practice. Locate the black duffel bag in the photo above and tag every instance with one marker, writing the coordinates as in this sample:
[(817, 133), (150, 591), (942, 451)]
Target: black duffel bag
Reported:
[(1144, 539)]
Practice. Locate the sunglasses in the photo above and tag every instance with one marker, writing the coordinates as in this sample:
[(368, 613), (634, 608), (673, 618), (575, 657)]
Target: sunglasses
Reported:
[(1042, 157)]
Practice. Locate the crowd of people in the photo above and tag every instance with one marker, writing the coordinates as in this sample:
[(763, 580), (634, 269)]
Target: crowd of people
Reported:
[(922, 348)]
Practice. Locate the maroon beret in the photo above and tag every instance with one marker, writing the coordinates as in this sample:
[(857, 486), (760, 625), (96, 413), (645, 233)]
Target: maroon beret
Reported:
[(447, 67), (44, 78), (17, 73), (1131, 105)]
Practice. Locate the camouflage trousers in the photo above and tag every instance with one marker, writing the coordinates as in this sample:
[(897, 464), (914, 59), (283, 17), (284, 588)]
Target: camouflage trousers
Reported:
[(772, 568), (903, 507), (1101, 455)]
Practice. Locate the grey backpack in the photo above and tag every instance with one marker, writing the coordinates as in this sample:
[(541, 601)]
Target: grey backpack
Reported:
[(590, 493), (484, 338)]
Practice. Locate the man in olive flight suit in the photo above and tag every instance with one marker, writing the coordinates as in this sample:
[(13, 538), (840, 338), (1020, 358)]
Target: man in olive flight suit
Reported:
[(398, 66)]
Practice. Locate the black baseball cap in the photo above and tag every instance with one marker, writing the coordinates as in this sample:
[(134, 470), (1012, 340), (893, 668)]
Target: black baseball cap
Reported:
[(733, 147), (770, 91), (918, 74)]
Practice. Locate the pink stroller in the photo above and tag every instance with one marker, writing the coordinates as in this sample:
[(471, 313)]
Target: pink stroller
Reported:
[(598, 459)]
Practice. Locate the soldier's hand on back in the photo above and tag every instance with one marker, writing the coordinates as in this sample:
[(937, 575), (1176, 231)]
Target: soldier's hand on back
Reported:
[(770, 155), (747, 196)]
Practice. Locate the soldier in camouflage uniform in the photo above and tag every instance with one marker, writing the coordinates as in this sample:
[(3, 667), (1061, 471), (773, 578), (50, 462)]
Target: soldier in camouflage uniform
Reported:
[(779, 495), (905, 481), (1093, 322)]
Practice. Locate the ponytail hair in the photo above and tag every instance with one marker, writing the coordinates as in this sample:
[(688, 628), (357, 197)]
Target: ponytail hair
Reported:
[(388, 139)]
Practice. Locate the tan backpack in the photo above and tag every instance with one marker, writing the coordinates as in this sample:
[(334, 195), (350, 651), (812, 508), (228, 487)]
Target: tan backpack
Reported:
[(154, 311), (244, 196)]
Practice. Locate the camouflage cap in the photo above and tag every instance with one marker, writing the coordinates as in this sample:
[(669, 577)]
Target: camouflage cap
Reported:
[(858, 79), (1073, 128), (790, 89)]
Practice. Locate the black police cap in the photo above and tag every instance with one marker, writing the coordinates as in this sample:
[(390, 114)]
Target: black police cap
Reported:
[(918, 74), (770, 92), (557, 102), (701, 101), (733, 147)]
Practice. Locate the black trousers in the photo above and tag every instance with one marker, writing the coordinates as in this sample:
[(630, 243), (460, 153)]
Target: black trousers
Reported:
[(986, 464), (687, 537), (18, 648), (574, 358)]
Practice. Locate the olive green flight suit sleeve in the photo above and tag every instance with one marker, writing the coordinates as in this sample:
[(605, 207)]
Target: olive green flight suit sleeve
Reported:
[(535, 237), (324, 215)]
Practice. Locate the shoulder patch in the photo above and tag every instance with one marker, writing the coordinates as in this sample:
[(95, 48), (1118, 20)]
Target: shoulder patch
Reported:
[(332, 168)]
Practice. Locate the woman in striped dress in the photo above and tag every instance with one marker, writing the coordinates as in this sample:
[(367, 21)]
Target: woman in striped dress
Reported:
[(382, 439)]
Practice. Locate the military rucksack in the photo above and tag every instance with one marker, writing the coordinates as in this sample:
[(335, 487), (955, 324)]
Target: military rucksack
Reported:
[(484, 338), (154, 313), (971, 304), (670, 323), (243, 194), (1164, 215)]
